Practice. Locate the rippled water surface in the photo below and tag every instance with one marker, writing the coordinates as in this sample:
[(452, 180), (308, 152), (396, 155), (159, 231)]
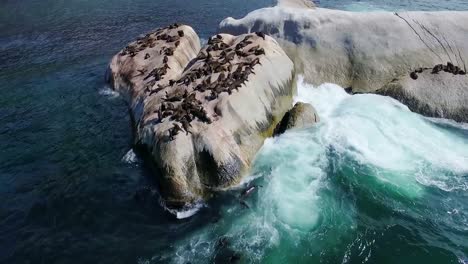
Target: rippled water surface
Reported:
[(372, 182)]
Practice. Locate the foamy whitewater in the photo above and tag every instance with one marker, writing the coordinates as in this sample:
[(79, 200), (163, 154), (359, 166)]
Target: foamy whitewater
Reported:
[(365, 145)]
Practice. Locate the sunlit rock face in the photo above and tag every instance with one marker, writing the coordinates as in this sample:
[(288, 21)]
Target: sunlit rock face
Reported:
[(202, 113), (364, 51), (371, 51)]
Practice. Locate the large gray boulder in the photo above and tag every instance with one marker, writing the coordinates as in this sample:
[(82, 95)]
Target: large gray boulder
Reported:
[(360, 50), (202, 114)]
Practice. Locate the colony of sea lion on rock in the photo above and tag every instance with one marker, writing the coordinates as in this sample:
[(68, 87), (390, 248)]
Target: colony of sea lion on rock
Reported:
[(449, 67), (202, 113), (220, 68), (167, 39)]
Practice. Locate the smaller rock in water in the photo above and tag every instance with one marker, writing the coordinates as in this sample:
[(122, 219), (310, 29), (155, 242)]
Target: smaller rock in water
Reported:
[(414, 75), (301, 115)]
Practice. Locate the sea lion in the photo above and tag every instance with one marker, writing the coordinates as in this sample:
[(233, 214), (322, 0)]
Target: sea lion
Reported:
[(160, 87), (191, 97), (177, 43), (260, 34), (437, 68), (174, 98), (259, 51), (221, 77), (253, 49), (240, 46), (186, 125), (201, 56), (174, 131), (241, 53), (414, 75), (169, 51), (174, 26), (142, 71), (450, 67), (255, 62)]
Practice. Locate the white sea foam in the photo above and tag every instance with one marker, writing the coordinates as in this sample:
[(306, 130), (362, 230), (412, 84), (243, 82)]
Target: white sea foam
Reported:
[(387, 149), (130, 157), (401, 146), (107, 91), (188, 212)]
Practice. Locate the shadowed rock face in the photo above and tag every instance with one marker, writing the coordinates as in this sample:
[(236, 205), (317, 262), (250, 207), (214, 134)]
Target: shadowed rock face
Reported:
[(202, 114), (300, 116)]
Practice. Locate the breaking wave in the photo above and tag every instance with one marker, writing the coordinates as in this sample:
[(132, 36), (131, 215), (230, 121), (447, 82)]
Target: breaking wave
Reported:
[(322, 192)]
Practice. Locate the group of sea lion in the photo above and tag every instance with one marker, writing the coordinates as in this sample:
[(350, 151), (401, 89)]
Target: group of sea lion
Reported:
[(183, 109), (150, 40), (173, 40), (455, 70), (449, 67), (165, 36), (233, 65)]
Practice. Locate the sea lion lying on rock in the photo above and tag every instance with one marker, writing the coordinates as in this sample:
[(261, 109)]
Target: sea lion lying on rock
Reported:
[(435, 95), (202, 114)]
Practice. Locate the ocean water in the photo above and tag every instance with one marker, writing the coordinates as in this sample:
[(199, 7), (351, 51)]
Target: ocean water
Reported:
[(372, 182)]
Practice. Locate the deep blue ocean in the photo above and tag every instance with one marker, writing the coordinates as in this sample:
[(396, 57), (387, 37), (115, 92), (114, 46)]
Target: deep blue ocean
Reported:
[(67, 187)]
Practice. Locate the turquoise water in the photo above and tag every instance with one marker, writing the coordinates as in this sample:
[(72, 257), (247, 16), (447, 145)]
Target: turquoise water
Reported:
[(372, 182)]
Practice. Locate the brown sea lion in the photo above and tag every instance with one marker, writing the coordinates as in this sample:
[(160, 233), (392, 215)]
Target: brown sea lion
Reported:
[(260, 34)]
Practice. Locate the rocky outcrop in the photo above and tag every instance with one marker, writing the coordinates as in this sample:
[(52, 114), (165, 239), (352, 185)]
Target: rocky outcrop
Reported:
[(202, 114), (364, 51), (437, 95), (300, 116)]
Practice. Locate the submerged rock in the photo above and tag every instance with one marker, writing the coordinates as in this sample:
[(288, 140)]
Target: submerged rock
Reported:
[(301, 115), (436, 95), (202, 114)]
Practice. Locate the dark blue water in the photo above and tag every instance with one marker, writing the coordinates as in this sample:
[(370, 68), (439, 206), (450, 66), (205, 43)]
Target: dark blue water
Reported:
[(67, 196)]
